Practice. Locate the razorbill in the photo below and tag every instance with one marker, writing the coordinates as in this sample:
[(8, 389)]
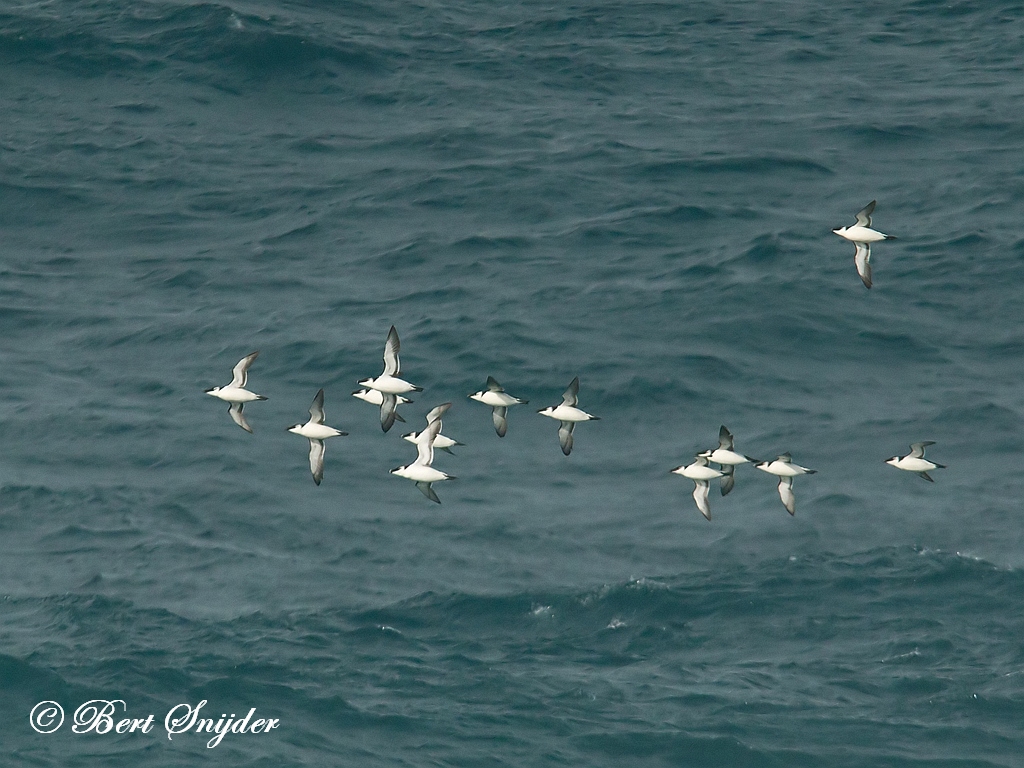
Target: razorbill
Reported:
[(862, 235), (373, 397), (567, 414), (915, 461), (727, 458), (700, 473), (499, 400), (441, 442), (236, 393), (784, 468), (316, 432), (388, 383), (420, 470)]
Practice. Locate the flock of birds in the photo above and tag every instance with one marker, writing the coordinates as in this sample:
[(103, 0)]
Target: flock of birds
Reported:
[(388, 389), (782, 467)]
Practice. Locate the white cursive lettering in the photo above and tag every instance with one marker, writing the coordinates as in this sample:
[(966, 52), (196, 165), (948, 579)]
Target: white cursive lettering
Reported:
[(47, 717), (96, 715), (181, 724)]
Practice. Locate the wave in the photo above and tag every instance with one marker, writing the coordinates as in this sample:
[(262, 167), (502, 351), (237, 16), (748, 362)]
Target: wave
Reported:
[(95, 40), (715, 666)]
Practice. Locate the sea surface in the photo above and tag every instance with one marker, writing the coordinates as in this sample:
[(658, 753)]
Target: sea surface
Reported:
[(640, 194)]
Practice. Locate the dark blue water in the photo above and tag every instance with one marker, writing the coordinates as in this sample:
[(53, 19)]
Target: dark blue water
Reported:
[(640, 194)]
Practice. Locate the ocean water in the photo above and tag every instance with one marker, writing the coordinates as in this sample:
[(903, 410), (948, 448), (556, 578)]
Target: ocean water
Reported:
[(637, 193)]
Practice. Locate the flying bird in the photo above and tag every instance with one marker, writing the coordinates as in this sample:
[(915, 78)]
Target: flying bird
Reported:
[(784, 468), (727, 458), (701, 474), (567, 415), (915, 461), (235, 393), (316, 432), (388, 383), (373, 397), (441, 443), (420, 470), (862, 236), (500, 401)]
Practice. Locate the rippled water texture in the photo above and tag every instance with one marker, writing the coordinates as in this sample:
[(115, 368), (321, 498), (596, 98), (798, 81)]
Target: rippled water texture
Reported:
[(640, 194)]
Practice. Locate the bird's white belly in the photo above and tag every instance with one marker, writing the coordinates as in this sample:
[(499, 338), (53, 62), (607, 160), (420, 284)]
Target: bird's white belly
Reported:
[(914, 465), (390, 385), (781, 469), (720, 456), (317, 431), (698, 473), (496, 399), (235, 395), (568, 413), (421, 474), (439, 442), (863, 235)]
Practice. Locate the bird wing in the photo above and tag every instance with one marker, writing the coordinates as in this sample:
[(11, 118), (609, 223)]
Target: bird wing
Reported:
[(316, 410), (728, 478), (571, 395), (785, 458), (388, 404), (428, 491), (392, 367), (438, 412), (493, 385), (917, 449), (700, 495), (864, 215), (235, 409), (786, 494), (725, 439), (240, 373), (498, 416), (862, 258), (316, 460), (565, 436), (425, 444)]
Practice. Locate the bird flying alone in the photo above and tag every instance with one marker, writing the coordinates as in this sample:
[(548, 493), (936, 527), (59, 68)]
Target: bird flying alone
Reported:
[(862, 235), (235, 393), (316, 432), (500, 401), (567, 415), (389, 383), (784, 468), (915, 461)]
